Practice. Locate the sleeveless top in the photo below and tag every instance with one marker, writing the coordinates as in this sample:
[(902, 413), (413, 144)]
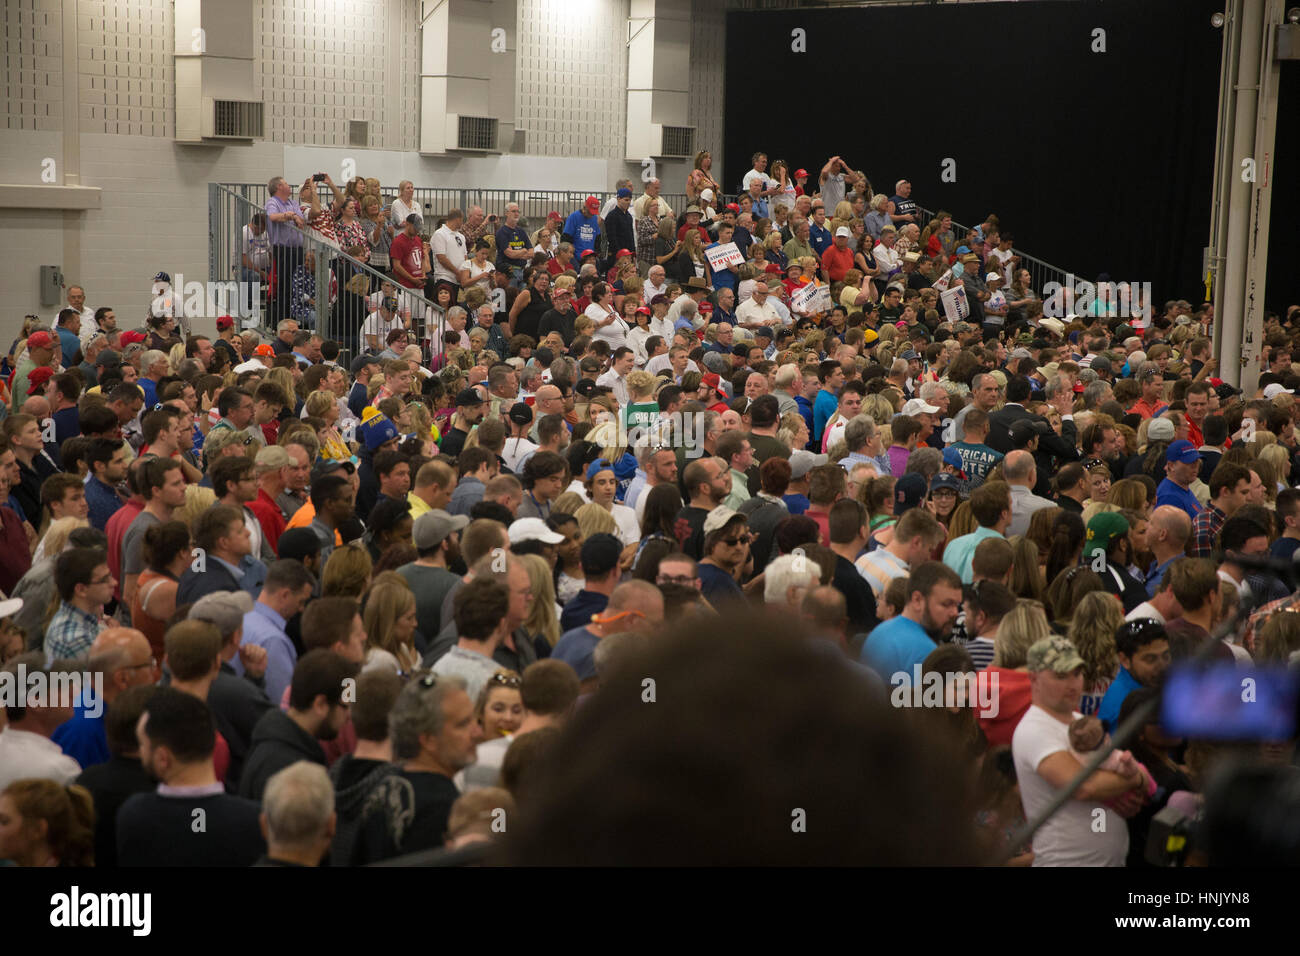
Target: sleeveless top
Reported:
[(529, 319), (151, 627)]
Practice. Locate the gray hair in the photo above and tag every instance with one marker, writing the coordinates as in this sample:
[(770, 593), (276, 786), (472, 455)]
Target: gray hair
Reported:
[(786, 572), (860, 430), (1053, 389), (1092, 394), (298, 803), (274, 184), (152, 356), (418, 710), (251, 338), (564, 247), (926, 462), (456, 312), (283, 324), (932, 388)]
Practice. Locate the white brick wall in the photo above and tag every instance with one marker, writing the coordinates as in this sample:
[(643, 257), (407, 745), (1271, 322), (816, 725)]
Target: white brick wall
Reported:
[(126, 82), (32, 91), (572, 68)]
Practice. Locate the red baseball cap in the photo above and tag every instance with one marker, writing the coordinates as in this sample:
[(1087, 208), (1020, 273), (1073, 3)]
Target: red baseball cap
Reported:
[(37, 379), (773, 267), (1078, 387), (733, 207), (712, 380), (644, 310), (40, 340), (264, 350), (592, 201), (800, 172), (130, 338), (621, 253), (587, 252), (553, 215), (224, 322)]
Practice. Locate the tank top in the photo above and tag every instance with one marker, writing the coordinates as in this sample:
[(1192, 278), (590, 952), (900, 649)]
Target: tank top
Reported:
[(151, 627), (529, 319)]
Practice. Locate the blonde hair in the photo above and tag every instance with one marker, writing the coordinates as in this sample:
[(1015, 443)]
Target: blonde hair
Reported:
[(1092, 632), (541, 616), (346, 572), (1020, 628), (197, 500), (56, 535), (282, 379), (569, 503), (319, 402), (387, 601), (593, 519)]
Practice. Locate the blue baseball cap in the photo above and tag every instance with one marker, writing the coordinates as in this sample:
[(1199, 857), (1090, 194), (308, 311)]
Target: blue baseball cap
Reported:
[(1182, 450), (945, 480), (908, 492)]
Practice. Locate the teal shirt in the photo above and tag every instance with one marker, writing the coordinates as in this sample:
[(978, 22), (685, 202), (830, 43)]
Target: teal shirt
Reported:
[(961, 550)]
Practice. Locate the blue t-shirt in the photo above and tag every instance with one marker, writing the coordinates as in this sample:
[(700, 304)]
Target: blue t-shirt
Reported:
[(1120, 687), (895, 646), (976, 460), (83, 738), (584, 230), (576, 648), (1284, 548), (722, 278), (823, 408), (797, 504), (1170, 493), (716, 583)]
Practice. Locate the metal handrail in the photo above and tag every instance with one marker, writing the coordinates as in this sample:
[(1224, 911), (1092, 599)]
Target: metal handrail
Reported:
[(1040, 273), (230, 208)]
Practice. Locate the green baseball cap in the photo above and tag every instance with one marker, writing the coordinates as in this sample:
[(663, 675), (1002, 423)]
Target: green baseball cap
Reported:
[(1053, 653), (1103, 530)]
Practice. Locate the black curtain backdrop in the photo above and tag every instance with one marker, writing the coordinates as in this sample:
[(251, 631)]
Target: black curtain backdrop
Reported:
[(1096, 162), (1283, 286)]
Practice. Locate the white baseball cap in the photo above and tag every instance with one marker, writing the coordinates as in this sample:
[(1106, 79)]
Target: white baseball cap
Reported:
[(533, 529), (843, 231), (918, 406)]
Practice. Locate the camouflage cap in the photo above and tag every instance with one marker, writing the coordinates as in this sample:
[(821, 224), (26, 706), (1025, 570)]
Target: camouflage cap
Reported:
[(1053, 653)]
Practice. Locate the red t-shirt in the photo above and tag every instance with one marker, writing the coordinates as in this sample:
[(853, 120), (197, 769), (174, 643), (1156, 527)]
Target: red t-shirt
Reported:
[(269, 517), (704, 235), (837, 262), (409, 252), (116, 531)]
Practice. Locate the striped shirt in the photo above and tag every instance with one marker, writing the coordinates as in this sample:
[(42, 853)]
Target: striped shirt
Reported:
[(879, 567), (980, 650)]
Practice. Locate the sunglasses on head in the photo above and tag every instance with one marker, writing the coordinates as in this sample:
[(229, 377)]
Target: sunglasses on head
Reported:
[(506, 680)]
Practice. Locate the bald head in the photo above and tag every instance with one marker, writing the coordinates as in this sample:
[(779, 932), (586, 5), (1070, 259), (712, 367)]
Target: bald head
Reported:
[(1171, 527), (548, 393), (1018, 468), (124, 656), (641, 601), (37, 405)]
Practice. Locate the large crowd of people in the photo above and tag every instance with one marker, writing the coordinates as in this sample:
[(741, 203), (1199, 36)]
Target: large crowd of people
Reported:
[(643, 520)]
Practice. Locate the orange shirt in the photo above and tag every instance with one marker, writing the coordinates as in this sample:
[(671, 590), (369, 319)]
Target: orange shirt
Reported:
[(305, 516)]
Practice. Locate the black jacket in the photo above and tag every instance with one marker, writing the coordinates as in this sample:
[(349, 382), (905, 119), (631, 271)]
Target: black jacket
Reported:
[(111, 784), (277, 743), (620, 232), (354, 781), (237, 705), (1061, 447)]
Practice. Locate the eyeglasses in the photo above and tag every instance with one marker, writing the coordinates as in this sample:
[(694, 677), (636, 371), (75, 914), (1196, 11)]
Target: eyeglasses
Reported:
[(104, 580), (151, 663), (734, 542), (505, 679), (674, 579)]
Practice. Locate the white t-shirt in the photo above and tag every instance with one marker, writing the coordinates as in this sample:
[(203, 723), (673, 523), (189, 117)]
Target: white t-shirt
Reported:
[(663, 362), (629, 529), (399, 210), (615, 333), (257, 248), (751, 176), (1074, 836), (477, 273), (447, 242), (516, 450), (1144, 611), (376, 325)]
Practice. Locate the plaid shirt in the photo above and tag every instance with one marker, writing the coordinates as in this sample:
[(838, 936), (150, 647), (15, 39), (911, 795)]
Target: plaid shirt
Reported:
[(1205, 528), (70, 634)]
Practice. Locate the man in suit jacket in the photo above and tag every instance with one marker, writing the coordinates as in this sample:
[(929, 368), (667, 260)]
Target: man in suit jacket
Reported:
[(1062, 447), (223, 541)]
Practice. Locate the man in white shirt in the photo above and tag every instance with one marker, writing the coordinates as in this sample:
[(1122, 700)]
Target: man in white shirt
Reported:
[(26, 749), (447, 246), (1086, 831), (656, 283), (374, 331), (622, 362), (77, 300), (759, 173), (1162, 607), (757, 310)]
